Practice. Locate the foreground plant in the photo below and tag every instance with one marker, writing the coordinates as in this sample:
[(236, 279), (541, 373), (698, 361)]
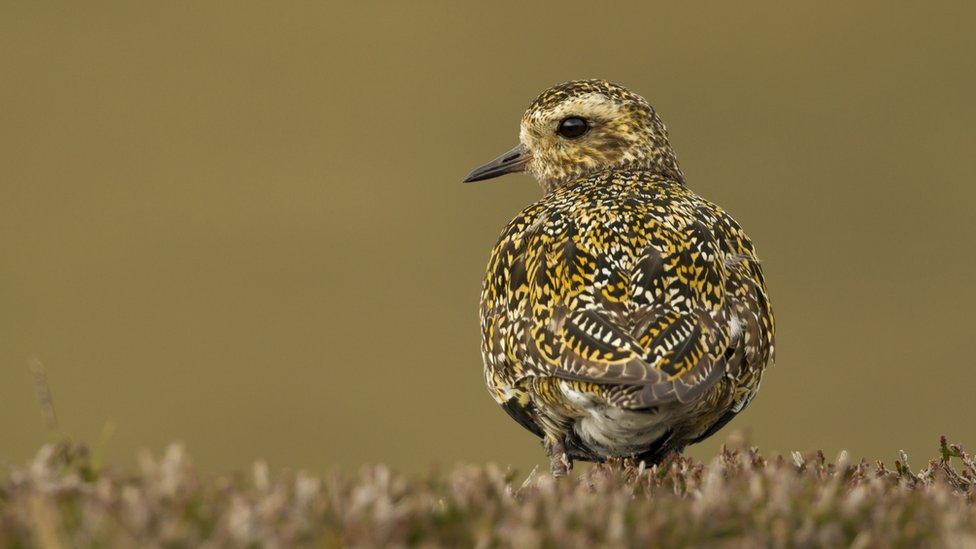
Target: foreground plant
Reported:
[(739, 498)]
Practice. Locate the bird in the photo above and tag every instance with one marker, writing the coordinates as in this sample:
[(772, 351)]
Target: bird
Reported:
[(622, 315)]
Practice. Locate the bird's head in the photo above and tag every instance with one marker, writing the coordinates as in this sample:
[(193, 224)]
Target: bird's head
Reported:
[(584, 127)]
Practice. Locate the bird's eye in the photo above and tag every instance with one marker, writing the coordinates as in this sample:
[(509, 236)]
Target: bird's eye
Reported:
[(572, 127)]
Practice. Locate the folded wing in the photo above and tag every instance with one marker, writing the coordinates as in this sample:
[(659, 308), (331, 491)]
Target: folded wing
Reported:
[(649, 312)]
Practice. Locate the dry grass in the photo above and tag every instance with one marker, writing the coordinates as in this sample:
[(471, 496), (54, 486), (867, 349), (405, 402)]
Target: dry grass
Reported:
[(738, 499)]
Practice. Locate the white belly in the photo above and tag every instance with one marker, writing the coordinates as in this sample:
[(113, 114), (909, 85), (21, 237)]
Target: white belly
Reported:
[(612, 431)]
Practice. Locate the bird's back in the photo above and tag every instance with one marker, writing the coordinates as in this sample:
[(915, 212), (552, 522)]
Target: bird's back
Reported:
[(624, 291)]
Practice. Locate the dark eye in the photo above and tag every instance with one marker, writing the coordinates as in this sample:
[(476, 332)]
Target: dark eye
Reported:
[(572, 127)]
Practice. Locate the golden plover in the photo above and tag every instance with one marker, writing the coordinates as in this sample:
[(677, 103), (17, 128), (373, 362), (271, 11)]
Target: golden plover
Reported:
[(621, 314)]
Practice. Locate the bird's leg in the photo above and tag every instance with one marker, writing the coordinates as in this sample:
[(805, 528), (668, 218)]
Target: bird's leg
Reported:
[(670, 457), (559, 462)]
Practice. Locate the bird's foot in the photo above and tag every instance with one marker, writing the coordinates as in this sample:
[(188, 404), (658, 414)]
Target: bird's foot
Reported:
[(559, 463), (670, 458)]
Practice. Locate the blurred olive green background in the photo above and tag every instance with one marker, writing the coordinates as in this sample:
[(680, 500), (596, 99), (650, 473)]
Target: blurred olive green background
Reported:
[(241, 225)]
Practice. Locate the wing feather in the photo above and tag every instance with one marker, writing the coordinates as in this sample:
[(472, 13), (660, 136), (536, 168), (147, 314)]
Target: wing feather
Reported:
[(633, 293)]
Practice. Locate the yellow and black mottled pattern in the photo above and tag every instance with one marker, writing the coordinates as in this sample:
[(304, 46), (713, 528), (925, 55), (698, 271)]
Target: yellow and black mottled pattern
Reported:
[(620, 290)]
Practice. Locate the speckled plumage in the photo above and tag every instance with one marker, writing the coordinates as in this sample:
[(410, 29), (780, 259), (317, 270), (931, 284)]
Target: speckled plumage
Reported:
[(622, 314)]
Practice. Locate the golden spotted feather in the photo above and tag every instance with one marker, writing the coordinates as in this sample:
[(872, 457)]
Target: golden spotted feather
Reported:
[(633, 283)]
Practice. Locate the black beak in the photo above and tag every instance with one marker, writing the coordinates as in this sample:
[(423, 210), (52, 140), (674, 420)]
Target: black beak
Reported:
[(513, 161)]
